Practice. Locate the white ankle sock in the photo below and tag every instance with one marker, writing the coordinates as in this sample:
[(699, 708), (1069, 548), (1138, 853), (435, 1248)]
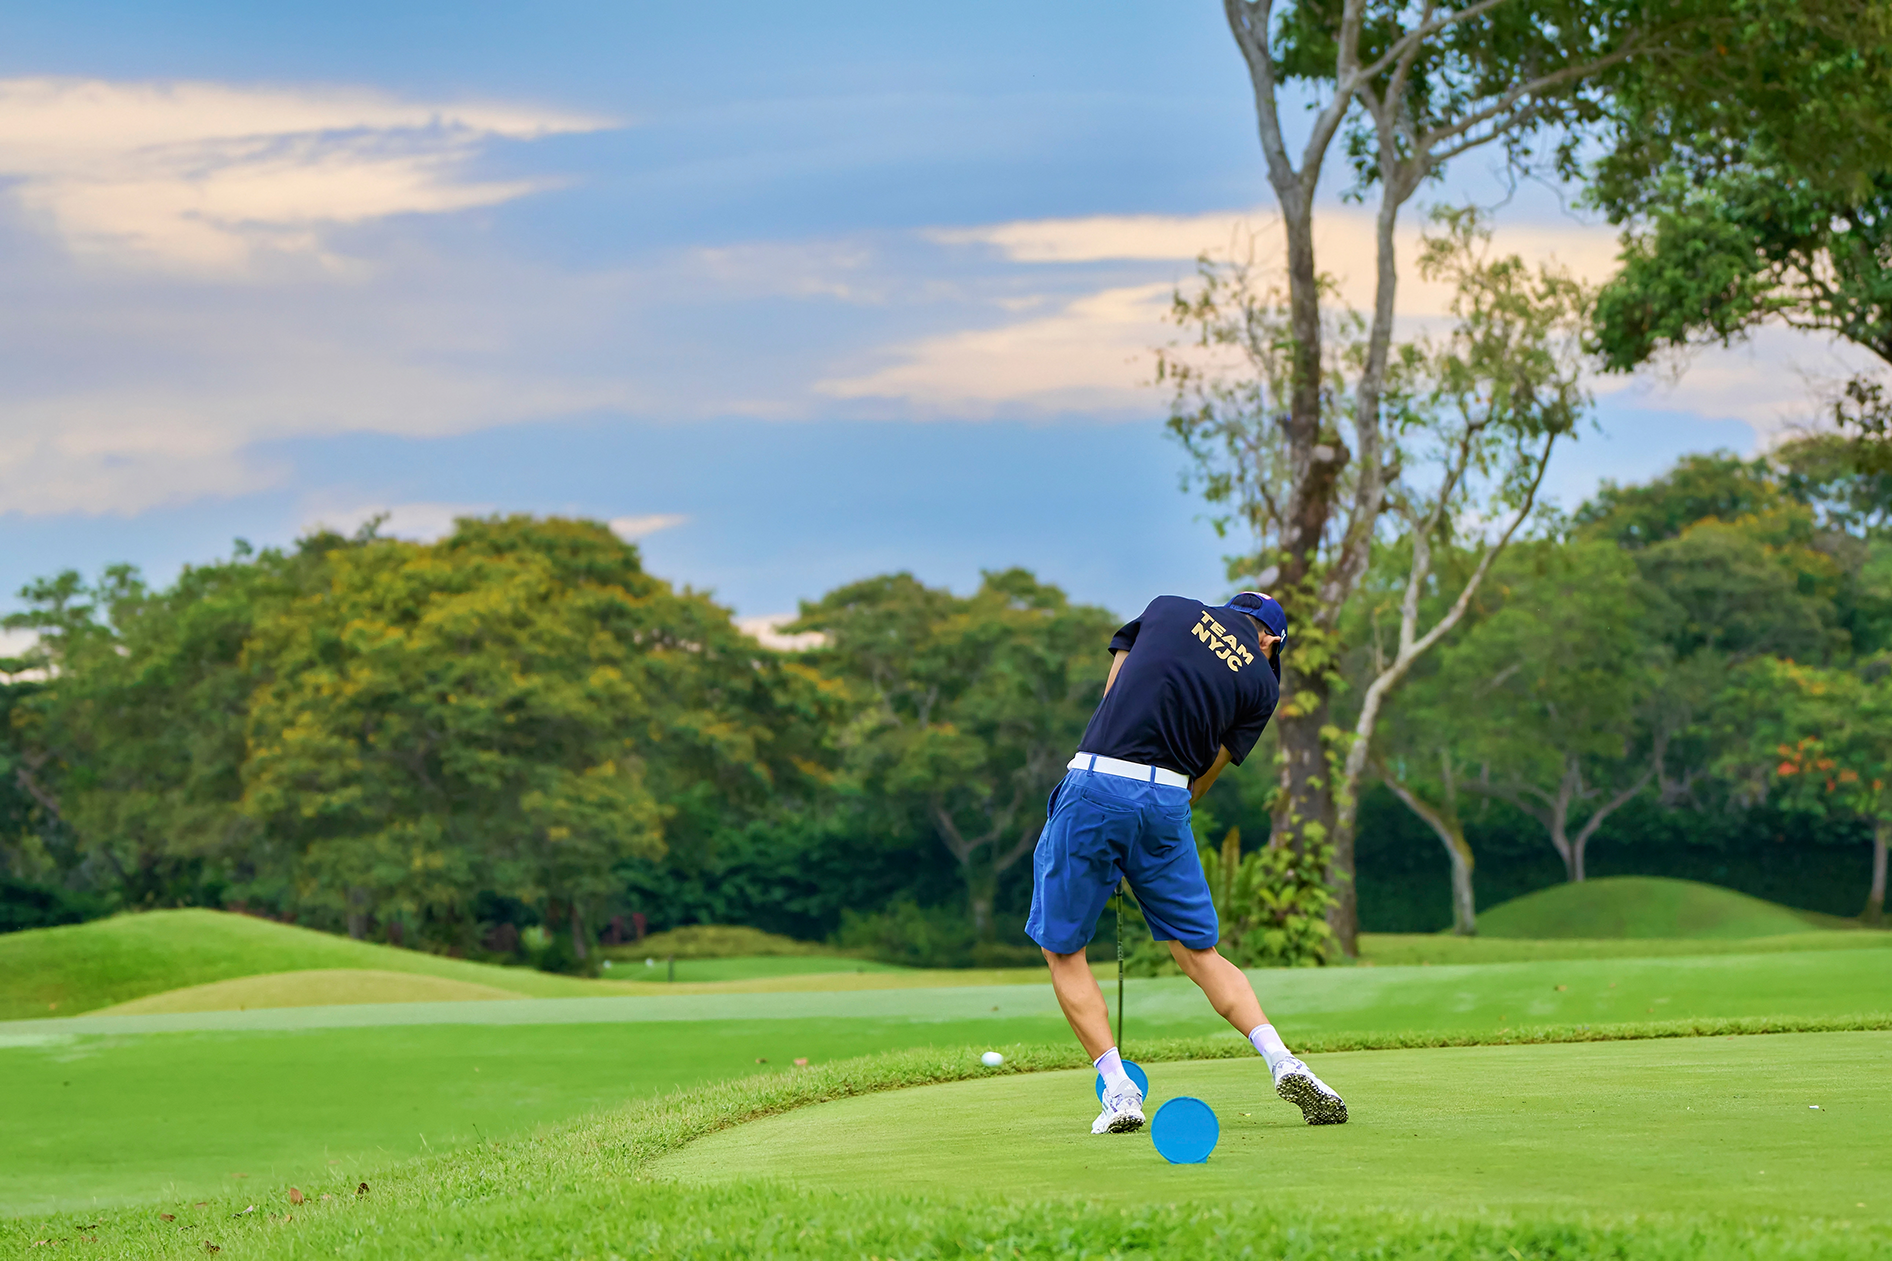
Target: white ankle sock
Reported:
[(1110, 1064), (1266, 1041)]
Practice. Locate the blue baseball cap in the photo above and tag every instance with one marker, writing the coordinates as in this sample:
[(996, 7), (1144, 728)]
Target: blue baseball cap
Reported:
[(1267, 610)]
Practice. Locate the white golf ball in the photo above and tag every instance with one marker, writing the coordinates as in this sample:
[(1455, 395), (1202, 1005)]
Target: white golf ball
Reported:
[(991, 1059)]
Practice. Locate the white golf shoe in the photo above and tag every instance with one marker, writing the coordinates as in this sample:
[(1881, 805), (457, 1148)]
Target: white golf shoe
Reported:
[(1123, 1112), (1318, 1102)]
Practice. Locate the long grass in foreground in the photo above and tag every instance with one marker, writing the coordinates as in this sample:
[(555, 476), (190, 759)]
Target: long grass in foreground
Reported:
[(582, 1190)]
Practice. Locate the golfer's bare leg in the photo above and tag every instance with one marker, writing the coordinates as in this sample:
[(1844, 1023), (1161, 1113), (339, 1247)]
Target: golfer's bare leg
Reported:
[(1234, 999), (1225, 985), (1082, 1001)]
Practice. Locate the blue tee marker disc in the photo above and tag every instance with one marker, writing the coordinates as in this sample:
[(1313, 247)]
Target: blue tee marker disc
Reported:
[(1136, 1074), (1185, 1131)]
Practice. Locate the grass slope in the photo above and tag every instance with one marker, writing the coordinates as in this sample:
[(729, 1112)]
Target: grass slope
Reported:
[(584, 1190), (1640, 906), (65, 971), (318, 987), (83, 967), (80, 967), (1702, 1125)]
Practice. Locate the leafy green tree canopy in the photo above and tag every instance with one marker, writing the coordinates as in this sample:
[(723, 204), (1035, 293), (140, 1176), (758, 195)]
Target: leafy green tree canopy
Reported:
[(966, 708)]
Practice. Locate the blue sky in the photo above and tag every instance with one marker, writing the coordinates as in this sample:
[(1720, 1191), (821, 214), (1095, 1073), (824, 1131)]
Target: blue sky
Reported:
[(795, 293)]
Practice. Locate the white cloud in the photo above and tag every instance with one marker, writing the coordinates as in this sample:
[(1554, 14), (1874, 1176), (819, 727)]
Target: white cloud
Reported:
[(1776, 381), (1092, 353), (17, 643), (766, 630), (203, 175), (1344, 245), (631, 529)]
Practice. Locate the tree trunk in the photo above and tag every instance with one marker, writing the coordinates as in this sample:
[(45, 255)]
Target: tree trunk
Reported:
[(1305, 808), (1304, 801), (1560, 840), (357, 914), (1874, 914), (1304, 812), (980, 896), (1464, 906), (1451, 833), (578, 932)]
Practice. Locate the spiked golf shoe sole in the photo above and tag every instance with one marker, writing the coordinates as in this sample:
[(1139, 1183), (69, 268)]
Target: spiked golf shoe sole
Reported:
[(1318, 1106)]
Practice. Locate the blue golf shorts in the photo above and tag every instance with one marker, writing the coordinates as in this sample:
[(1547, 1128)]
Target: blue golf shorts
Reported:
[(1104, 828)]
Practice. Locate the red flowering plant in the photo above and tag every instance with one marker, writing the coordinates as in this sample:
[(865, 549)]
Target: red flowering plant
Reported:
[(1819, 741)]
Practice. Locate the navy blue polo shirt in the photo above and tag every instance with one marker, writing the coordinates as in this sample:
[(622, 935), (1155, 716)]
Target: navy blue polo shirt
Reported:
[(1195, 680)]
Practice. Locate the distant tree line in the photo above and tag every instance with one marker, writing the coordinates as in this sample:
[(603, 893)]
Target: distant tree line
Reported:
[(510, 742)]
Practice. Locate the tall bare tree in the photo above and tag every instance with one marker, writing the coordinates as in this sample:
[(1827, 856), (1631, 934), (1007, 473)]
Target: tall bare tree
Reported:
[(1402, 88)]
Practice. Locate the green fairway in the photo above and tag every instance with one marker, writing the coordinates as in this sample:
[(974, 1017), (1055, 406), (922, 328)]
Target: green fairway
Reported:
[(1377, 949), (586, 1189), (58, 972), (279, 1093), (1640, 906), (1473, 998), (1716, 1126), (117, 1120)]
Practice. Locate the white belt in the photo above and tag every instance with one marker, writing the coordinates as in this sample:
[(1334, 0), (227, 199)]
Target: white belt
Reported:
[(1128, 770)]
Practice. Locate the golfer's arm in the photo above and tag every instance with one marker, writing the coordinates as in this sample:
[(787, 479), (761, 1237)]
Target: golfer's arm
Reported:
[(1206, 780), (1116, 664)]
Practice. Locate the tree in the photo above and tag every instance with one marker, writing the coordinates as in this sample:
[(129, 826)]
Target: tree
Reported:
[(135, 744), (1404, 89), (515, 708), (967, 708), (1562, 694), (1433, 796), (1773, 211), (1819, 741), (1472, 420), (1271, 904), (1776, 212), (1717, 485)]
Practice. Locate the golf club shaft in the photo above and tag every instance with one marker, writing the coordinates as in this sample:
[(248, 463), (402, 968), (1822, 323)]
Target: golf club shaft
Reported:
[(1120, 965)]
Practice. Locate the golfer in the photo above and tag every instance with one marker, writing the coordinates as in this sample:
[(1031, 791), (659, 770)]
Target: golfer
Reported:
[(1190, 688)]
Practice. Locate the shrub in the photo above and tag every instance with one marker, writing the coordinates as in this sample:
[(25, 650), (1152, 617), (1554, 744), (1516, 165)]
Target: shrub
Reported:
[(931, 937), (1272, 904), (24, 905), (714, 941)]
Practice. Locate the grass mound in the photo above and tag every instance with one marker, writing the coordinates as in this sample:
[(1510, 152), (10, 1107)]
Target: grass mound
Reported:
[(584, 1189), (316, 987), (1641, 906), (81, 967), (716, 941)]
